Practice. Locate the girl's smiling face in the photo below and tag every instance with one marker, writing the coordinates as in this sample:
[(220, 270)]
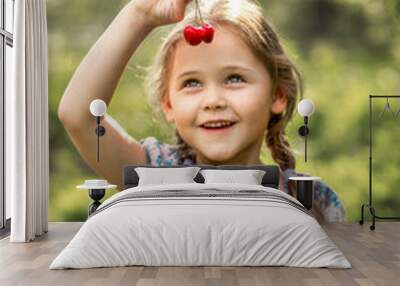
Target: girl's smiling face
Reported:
[(219, 97)]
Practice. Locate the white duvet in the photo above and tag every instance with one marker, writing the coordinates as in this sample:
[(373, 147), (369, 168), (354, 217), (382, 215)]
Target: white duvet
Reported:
[(252, 225)]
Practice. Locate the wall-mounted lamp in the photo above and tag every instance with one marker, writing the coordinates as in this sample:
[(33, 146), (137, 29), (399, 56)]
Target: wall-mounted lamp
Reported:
[(98, 108), (305, 108)]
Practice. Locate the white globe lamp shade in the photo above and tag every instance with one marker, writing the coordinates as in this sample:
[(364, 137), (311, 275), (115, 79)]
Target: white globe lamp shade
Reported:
[(306, 107), (98, 107)]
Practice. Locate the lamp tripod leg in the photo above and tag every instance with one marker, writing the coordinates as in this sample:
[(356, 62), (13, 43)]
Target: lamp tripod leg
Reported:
[(361, 222), (372, 210)]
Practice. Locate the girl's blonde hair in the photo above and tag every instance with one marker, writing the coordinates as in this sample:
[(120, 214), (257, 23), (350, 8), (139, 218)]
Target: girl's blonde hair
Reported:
[(247, 20)]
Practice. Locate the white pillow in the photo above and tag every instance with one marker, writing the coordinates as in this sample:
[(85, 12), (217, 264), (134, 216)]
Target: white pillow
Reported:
[(249, 177), (162, 176)]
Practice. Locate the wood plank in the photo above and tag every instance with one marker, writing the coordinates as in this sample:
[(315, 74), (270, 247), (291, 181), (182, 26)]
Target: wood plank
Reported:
[(374, 255)]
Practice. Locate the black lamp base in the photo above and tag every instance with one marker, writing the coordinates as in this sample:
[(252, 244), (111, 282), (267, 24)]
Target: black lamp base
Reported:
[(305, 193), (96, 195)]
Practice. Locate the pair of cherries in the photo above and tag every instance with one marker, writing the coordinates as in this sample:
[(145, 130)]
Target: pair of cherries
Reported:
[(195, 35)]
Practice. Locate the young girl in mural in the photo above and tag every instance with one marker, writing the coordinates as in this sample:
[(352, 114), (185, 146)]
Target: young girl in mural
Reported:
[(226, 95)]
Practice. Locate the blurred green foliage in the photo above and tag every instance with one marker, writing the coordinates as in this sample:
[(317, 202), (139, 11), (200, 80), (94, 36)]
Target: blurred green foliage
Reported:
[(345, 50)]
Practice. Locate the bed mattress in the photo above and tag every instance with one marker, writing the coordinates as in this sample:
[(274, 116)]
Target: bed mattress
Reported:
[(201, 225)]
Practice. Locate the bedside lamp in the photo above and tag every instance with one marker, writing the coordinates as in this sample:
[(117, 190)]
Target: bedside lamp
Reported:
[(304, 184), (97, 187), (305, 108), (98, 108)]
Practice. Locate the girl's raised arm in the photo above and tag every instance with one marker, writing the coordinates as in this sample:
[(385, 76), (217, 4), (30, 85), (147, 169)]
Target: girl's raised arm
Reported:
[(97, 77)]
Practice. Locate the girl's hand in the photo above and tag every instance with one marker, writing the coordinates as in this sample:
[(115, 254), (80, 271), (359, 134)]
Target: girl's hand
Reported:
[(161, 12)]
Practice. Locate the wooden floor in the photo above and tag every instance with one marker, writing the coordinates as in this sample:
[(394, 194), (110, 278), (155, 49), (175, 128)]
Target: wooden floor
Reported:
[(374, 255)]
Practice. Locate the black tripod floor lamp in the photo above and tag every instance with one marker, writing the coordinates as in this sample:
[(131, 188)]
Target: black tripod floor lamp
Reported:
[(370, 206)]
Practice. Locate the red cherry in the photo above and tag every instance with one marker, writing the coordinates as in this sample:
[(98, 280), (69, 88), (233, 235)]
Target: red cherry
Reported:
[(193, 35), (208, 33)]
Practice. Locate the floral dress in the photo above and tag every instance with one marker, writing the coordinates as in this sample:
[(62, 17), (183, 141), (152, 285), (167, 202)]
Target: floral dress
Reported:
[(325, 199)]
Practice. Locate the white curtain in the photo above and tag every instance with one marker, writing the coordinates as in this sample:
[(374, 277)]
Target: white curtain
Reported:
[(27, 139)]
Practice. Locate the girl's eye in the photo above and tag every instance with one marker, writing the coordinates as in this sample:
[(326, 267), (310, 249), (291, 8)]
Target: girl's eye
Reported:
[(235, 78), (191, 83)]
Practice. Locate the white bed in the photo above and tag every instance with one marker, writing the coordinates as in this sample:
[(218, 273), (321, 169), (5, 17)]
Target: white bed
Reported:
[(201, 224)]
